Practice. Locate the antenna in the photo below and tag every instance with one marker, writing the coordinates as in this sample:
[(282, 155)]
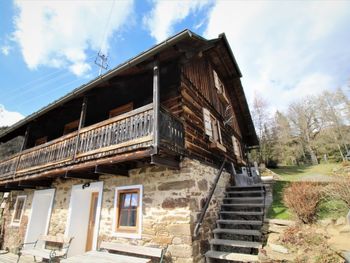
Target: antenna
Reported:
[(101, 61)]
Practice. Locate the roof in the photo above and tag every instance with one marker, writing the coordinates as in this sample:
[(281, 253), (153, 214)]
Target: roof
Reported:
[(171, 41)]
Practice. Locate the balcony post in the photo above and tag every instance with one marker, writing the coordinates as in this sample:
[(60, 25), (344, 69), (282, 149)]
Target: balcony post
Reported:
[(23, 147), (81, 125), (156, 105)]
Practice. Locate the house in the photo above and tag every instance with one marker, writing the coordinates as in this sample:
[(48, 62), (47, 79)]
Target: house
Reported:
[(132, 155)]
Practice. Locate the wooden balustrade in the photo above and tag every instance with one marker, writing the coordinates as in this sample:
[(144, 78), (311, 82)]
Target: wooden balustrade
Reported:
[(171, 132), (122, 133)]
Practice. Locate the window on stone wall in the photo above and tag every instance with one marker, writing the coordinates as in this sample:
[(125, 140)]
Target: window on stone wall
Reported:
[(128, 211), (19, 209), (213, 130)]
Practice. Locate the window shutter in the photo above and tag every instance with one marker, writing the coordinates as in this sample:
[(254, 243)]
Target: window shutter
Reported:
[(219, 129), (217, 81), (207, 123)]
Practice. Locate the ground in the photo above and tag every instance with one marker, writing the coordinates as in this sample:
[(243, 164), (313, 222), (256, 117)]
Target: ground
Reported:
[(318, 173), (290, 241)]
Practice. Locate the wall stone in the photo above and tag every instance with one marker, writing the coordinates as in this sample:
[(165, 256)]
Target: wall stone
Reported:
[(172, 201)]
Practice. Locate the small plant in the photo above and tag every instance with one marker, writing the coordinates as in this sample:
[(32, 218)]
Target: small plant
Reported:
[(339, 189), (303, 199)]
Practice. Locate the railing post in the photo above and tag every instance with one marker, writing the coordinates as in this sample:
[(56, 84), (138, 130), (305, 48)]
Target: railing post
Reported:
[(156, 105), (81, 125)]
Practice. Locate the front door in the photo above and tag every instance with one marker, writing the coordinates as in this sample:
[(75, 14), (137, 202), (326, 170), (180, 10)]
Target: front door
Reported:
[(83, 217), (92, 220)]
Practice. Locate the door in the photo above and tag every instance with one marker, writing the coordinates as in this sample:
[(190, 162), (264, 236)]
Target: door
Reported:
[(83, 217), (92, 221), (40, 214)]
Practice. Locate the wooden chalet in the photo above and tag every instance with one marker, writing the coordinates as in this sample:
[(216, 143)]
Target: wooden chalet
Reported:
[(167, 116)]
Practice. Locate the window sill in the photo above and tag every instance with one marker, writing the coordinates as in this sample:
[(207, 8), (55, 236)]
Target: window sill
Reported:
[(127, 235), (15, 224), (217, 145)]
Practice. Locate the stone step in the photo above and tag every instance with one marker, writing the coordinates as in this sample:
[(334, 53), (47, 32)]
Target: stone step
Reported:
[(249, 187), (245, 232), (231, 256), (243, 213), (235, 243), (239, 222), (244, 205), (246, 198), (244, 192)]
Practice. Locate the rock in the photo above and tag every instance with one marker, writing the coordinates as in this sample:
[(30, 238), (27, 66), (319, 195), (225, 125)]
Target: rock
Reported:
[(279, 248), (281, 222), (326, 222), (276, 229), (345, 229), (340, 221), (347, 256)]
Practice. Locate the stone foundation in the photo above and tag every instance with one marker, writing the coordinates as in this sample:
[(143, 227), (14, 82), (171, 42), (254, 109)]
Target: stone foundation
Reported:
[(172, 201)]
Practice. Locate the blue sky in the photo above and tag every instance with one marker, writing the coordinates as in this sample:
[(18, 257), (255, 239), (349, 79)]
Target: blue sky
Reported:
[(285, 49)]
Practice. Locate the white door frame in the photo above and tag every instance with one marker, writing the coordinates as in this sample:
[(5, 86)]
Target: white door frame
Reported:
[(49, 191), (99, 186)]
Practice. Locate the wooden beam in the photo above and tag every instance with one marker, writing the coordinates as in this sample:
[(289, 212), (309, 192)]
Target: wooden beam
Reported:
[(13, 187), (162, 161), (4, 190), (110, 169), (156, 104), (81, 125), (80, 175), (34, 184)]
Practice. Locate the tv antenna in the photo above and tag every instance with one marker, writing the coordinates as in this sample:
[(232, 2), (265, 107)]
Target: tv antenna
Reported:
[(101, 61)]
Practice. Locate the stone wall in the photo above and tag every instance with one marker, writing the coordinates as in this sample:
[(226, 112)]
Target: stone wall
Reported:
[(172, 200)]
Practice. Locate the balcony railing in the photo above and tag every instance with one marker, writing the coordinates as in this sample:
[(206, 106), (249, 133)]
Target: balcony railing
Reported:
[(126, 132)]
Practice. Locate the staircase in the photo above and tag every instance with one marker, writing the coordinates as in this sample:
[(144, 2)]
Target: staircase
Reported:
[(237, 237)]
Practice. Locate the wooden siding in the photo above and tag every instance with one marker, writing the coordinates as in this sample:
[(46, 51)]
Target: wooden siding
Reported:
[(197, 91)]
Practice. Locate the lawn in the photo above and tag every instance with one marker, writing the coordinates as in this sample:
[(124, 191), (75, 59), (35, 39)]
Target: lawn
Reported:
[(288, 174)]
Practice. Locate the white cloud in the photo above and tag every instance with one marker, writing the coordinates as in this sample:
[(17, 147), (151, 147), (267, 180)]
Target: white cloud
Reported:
[(286, 50), (8, 118), (5, 50), (165, 14), (59, 33)]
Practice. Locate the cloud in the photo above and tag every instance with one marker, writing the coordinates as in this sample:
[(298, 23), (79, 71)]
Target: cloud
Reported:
[(286, 50), (8, 118), (5, 50), (59, 33), (165, 14)]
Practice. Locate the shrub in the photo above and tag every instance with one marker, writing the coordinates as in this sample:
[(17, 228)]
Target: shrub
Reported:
[(303, 198), (339, 189)]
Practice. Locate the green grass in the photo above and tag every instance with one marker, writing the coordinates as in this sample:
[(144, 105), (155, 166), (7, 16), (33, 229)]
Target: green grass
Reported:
[(327, 209)]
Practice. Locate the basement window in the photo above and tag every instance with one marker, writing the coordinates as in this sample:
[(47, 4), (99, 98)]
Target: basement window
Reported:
[(213, 130), (19, 209), (128, 211)]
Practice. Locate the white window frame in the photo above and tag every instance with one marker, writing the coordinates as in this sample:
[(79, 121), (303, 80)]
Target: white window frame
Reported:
[(138, 233), (18, 223)]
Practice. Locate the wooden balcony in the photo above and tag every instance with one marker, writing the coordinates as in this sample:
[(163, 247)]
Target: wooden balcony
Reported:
[(128, 132)]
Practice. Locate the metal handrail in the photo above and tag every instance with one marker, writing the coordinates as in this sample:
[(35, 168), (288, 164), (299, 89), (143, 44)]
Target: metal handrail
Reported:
[(205, 208)]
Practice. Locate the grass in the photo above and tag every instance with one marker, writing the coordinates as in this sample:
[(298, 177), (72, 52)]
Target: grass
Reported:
[(327, 209)]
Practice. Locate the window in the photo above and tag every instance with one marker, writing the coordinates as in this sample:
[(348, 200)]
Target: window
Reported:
[(213, 130), (41, 140), (19, 208), (237, 147), (128, 211), (71, 127), (122, 109), (220, 88)]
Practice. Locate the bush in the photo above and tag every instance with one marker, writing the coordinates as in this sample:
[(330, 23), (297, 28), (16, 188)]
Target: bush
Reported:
[(303, 199), (339, 189)]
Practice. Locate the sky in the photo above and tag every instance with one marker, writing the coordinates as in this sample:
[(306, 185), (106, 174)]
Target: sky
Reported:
[(285, 49)]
